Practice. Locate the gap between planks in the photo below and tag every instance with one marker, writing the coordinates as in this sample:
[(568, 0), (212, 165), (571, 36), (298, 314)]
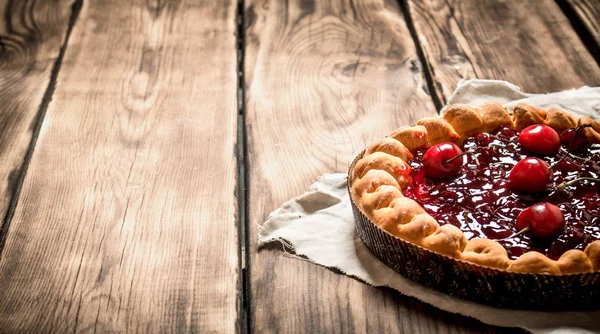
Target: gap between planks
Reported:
[(37, 126), (403, 4), (243, 180), (586, 36)]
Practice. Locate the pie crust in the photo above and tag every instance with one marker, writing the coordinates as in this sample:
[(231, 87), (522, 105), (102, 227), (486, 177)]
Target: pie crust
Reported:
[(377, 179)]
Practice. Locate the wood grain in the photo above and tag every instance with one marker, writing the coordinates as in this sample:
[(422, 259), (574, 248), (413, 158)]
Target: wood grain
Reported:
[(588, 12), (529, 43), (31, 35), (126, 220), (324, 79)]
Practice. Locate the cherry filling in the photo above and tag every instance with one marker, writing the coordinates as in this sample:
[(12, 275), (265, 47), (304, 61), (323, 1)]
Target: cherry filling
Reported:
[(479, 201)]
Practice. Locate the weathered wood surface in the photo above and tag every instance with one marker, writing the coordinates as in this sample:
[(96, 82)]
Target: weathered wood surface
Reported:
[(31, 36), (127, 215), (324, 79), (127, 218), (529, 43), (588, 12)]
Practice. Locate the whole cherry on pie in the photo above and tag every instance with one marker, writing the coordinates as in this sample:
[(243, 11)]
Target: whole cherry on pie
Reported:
[(530, 175), (544, 220), (442, 160), (540, 139), (575, 140)]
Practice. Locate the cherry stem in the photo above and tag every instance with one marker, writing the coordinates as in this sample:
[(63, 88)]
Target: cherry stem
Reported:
[(519, 233), (556, 163), (574, 136), (575, 156), (456, 157), (594, 165), (563, 185), (577, 130)]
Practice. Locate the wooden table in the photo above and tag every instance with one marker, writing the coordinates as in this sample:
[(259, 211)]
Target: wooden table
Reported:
[(143, 141)]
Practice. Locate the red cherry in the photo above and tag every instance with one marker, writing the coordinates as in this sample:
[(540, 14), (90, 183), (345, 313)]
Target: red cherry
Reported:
[(575, 140), (545, 220), (437, 163), (530, 175), (483, 139), (506, 132), (540, 139)]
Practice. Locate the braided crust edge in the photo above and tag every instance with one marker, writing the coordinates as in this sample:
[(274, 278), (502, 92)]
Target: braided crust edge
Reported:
[(378, 177)]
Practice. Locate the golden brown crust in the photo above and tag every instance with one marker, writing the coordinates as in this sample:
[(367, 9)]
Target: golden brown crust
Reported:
[(438, 130), (593, 132), (392, 147), (418, 228), (487, 253), (405, 220), (535, 263), (381, 198), (574, 261), (379, 175), (525, 115), (394, 166), (593, 253), (494, 116), (447, 240), (413, 137), (465, 120), (560, 120)]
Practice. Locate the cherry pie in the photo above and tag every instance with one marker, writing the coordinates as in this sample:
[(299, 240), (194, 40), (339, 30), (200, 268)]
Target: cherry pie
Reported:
[(517, 193)]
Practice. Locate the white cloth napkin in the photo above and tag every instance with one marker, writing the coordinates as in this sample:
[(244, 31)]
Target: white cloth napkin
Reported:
[(319, 225)]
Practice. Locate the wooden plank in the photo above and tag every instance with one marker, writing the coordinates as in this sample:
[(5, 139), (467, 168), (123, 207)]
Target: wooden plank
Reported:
[(588, 11), (31, 35), (126, 220), (324, 79), (529, 43)]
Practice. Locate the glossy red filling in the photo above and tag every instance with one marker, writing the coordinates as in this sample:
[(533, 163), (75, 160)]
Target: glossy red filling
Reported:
[(480, 203)]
